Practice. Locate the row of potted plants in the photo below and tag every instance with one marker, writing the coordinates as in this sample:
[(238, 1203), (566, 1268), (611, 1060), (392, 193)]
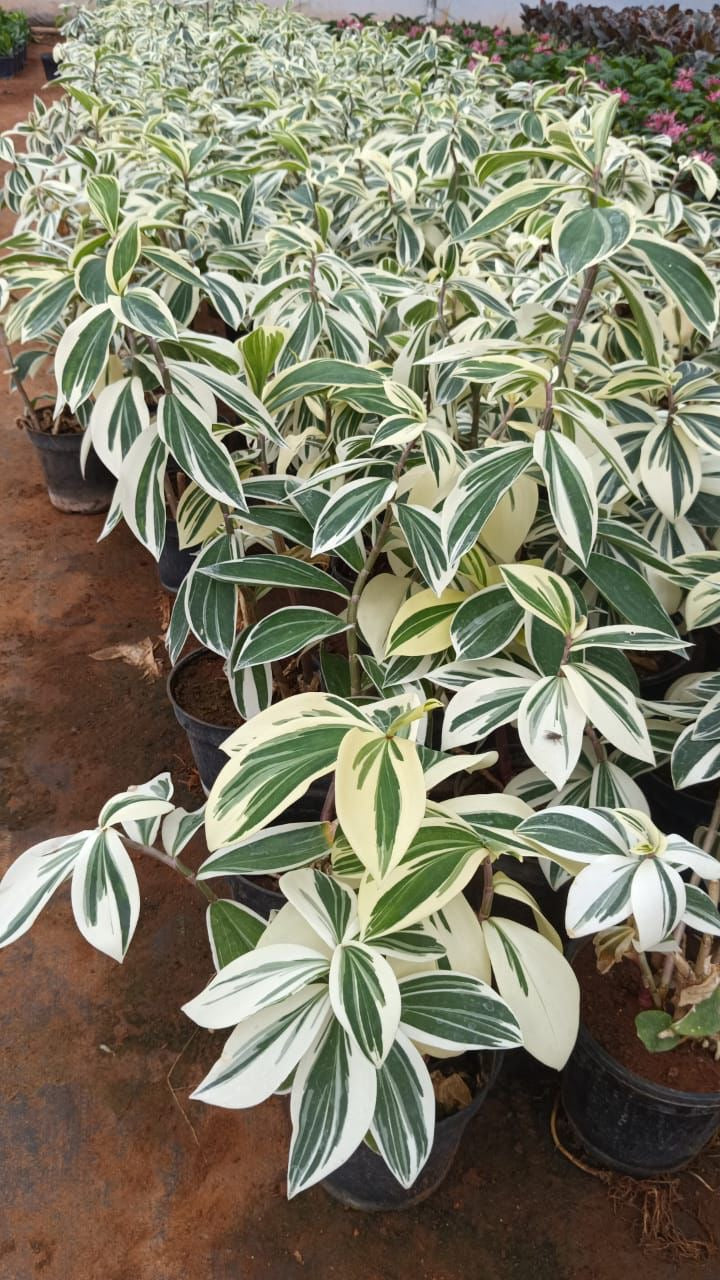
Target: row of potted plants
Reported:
[(422, 380), (14, 38)]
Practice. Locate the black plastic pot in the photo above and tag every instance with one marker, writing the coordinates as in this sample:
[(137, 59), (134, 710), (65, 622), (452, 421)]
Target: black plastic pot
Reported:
[(68, 489), (205, 739), (365, 1182), (8, 66), (50, 66), (681, 812), (530, 875), (174, 563), (627, 1123)]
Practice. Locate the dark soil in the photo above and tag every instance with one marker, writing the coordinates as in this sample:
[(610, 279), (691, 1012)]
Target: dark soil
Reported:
[(609, 1004), (108, 1169), (201, 689), (66, 425)]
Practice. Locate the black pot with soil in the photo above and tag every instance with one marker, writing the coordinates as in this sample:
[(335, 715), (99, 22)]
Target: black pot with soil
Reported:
[(200, 696), (50, 66), (8, 66), (679, 812), (68, 489), (651, 1113), (365, 1182), (175, 562)]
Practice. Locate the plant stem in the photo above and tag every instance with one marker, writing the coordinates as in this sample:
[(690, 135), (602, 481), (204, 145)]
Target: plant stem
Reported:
[(18, 384), (487, 896), (573, 324), (362, 578), (649, 979), (175, 863)]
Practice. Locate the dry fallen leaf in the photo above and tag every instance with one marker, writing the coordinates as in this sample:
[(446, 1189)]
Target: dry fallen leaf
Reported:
[(140, 655), (700, 990), (451, 1092)]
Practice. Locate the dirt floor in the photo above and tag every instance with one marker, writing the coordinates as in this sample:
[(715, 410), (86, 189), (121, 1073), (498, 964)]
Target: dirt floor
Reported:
[(108, 1172)]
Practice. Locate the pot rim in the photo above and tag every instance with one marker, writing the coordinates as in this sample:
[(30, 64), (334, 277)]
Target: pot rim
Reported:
[(658, 1092), (179, 666)]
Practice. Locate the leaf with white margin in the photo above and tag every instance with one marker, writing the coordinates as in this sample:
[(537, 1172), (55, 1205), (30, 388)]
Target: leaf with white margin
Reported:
[(421, 530), (82, 354), (416, 890), (233, 930), (459, 931), (505, 887), (31, 880), (135, 804), (610, 706), (442, 767), (379, 797), (145, 830), (105, 894), (457, 1011), (599, 896), (494, 817), (277, 848), (475, 496), (694, 760), (683, 853), (379, 603), (263, 1051), (422, 623), (349, 510), (478, 708), (570, 833), (365, 998), (403, 1123), (140, 492), (260, 978), (700, 911), (539, 986), (544, 594), (658, 901), (331, 1105), (551, 724), (179, 827), (571, 490), (328, 906), (118, 416)]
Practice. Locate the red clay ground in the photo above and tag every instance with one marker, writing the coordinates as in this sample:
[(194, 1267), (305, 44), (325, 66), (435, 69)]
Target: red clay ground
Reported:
[(107, 1173)]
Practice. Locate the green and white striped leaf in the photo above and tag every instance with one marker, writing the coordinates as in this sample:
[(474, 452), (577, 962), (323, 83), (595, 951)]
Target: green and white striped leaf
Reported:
[(379, 797), (610, 707), (254, 981), (135, 804), (105, 894), (179, 827), (671, 470), (82, 354), (270, 852), (261, 1054), (539, 986), (628, 591), (456, 1011), (349, 510), (629, 637), (233, 930), (683, 278), (142, 310), (103, 193), (658, 901), (328, 906), (551, 724), (700, 911), (544, 594), (211, 606), (198, 517), (421, 530), (365, 998), (486, 623), (118, 416), (251, 687), (509, 206), (422, 624), (574, 834), (403, 1124), (599, 896), (230, 390), (31, 880), (582, 237), (694, 760), (571, 490), (198, 452), (482, 706), (123, 256), (474, 498), (276, 571), (140, 490), (332, 1105), (285, 632), (418, 888)]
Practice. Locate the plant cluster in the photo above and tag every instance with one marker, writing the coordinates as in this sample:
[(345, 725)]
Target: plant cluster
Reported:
[(14, 32), (633, 27), (666, 92), (436, 354)]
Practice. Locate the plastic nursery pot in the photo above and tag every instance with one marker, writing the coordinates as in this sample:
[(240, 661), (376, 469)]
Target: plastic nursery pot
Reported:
[(50, 66), (68, 489), (365, 1182), (627, 1123), (8, 66), (174, 563), (204, 737)]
